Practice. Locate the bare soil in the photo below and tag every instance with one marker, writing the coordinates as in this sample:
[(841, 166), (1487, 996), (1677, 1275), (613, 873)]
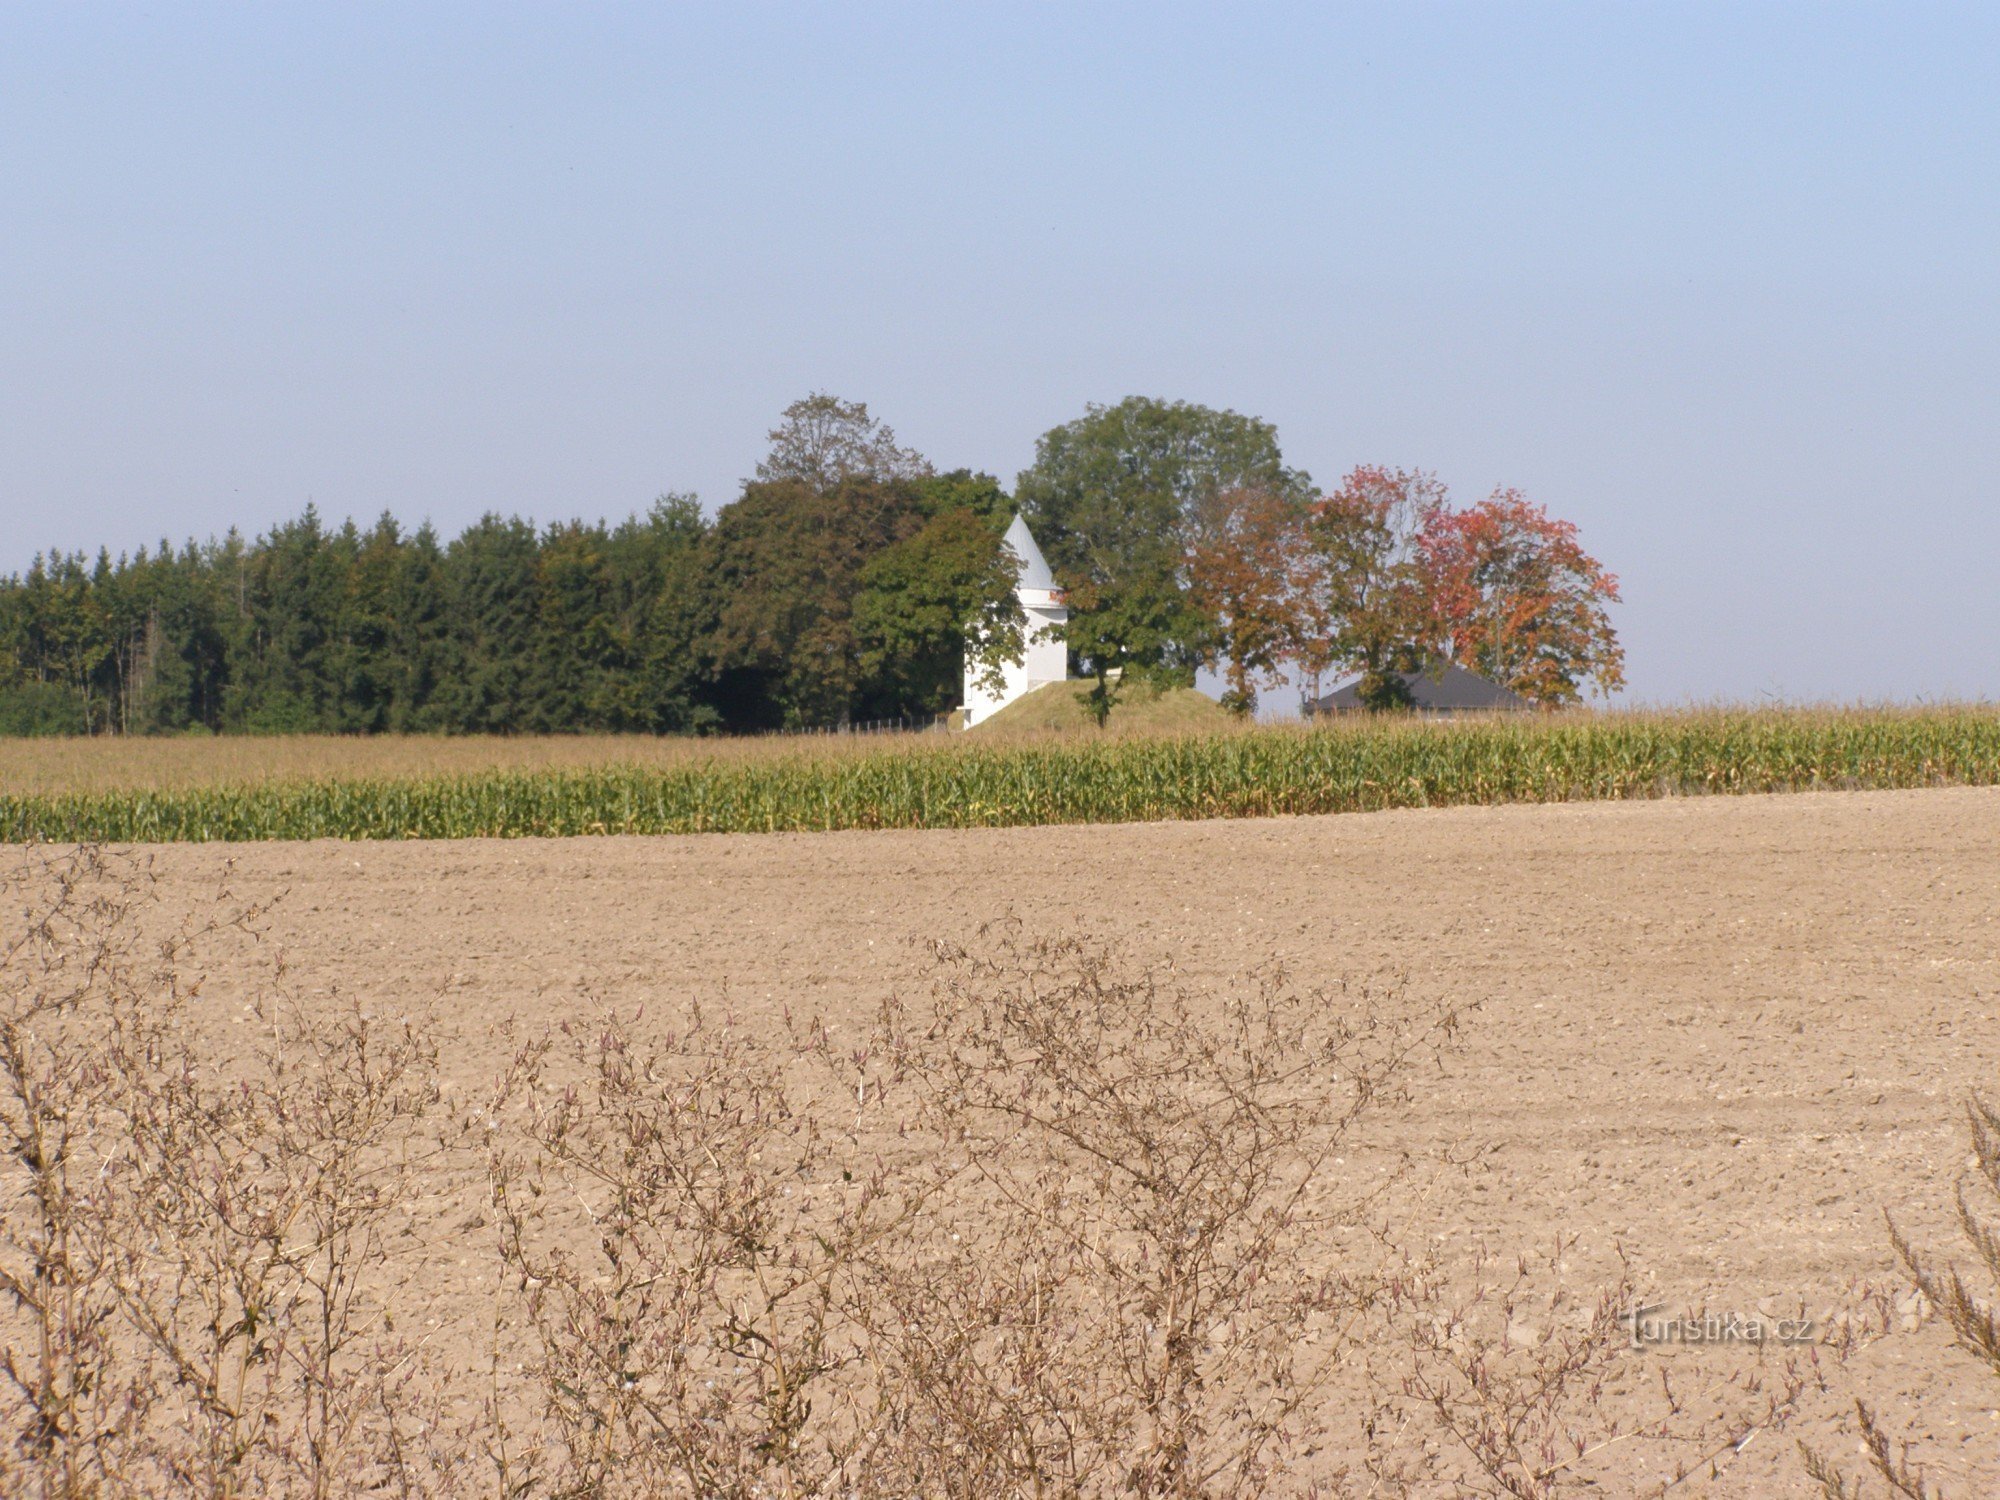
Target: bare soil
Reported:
[(1720, 1035)]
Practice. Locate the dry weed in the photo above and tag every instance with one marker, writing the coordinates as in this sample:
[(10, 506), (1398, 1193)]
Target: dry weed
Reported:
[(1131, 1289), (1969, 1310), (185, 1246)]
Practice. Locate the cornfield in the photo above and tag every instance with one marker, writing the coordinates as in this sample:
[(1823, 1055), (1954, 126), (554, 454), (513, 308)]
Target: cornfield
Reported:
[(960, 784)]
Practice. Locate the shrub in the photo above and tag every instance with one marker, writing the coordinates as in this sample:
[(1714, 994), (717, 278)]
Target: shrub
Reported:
[(185, 1252), (39, 709), (1129, 1291)]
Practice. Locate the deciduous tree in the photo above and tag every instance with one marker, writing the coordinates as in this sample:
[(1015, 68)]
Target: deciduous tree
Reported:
[(823, 441), (1512, 595), (787, 561), (1365, 611), (1111, 498), (923, 599), (1250, 571)]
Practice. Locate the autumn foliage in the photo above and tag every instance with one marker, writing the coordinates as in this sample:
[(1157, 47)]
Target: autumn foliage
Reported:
[(1513, 596), (1385, 576), (1371, 617), (1248, 574)]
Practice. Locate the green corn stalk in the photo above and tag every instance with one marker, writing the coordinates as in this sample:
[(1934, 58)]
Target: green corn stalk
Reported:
[(1366, 766)]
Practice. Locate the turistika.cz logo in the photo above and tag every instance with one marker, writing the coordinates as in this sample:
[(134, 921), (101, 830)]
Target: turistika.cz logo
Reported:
[(1649, 1326)]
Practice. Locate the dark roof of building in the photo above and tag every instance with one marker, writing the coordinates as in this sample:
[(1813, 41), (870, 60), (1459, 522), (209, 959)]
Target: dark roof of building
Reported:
[(1452, 690)]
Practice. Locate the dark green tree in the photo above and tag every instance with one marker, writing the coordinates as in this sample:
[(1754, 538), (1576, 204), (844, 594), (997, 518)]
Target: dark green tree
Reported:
[(172, 662), (787, 560), (919, 600), (660, 564), (580, 652), (491, 572), (424, 655), (291, 657), (962, 489)]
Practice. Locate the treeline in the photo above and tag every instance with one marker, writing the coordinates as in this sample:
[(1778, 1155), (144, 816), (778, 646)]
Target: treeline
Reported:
[(836, 587), (842, 584)]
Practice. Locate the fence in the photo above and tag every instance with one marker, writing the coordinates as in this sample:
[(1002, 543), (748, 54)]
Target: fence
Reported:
[(904, 724)]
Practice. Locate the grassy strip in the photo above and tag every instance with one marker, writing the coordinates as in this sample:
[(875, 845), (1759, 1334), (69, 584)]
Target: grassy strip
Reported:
[(961, 785)]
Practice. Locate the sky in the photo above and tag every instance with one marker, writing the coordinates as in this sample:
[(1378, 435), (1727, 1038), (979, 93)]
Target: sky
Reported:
[(1718, 282)]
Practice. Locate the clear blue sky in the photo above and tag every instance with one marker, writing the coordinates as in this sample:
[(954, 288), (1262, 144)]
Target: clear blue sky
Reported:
[(1719, 282)]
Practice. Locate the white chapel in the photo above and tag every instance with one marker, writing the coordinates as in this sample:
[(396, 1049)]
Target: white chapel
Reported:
[(1045, 656)]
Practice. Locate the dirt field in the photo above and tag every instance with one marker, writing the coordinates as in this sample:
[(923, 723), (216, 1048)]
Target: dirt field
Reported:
[(1723, 1034)]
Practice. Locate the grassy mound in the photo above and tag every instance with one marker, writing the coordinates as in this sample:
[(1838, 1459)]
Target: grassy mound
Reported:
[(1058, 708)]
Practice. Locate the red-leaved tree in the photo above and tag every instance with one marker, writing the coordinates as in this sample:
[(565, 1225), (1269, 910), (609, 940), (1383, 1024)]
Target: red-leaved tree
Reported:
[(1364, 608), (1248, 572), (1509, 593)]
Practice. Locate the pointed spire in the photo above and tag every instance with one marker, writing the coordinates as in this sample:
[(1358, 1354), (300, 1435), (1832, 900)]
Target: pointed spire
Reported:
[(1035, 572)]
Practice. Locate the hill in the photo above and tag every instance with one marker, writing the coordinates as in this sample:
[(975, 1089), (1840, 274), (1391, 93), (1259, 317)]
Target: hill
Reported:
[(1057, 708)]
